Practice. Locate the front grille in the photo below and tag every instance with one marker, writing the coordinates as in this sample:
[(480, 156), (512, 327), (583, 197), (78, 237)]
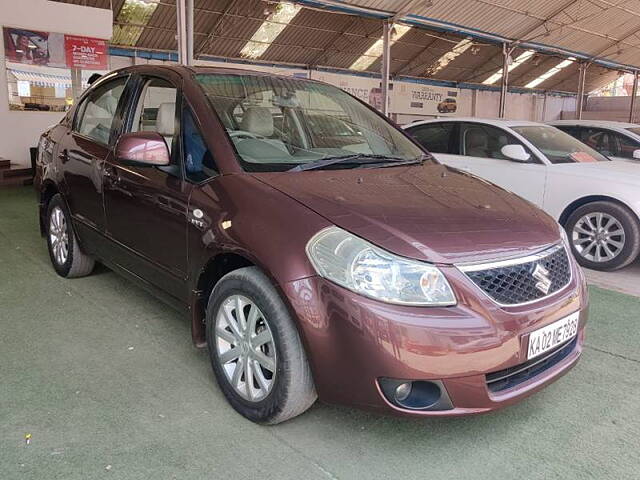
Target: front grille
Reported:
[(513, 376), (513, 282)]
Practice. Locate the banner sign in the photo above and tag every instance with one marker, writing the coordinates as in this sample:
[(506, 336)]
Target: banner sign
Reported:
[(417, 99), (49, 49), (407, 98), (85, 52)]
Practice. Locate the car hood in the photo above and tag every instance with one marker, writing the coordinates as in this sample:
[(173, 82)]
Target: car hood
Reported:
[(428, 212), (615, 170)]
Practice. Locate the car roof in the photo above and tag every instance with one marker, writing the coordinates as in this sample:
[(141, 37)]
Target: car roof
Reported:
[(595, 123), (186, 70), (488, 121)]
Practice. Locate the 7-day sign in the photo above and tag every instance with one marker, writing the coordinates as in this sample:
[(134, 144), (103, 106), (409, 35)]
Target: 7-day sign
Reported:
[(85, 52)]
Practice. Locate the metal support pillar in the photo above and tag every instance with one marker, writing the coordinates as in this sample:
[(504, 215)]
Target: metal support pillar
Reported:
[(181, 12), (634, 93), (504, 86), (76, 83), (582, 74), (190, 39), (386, 44)]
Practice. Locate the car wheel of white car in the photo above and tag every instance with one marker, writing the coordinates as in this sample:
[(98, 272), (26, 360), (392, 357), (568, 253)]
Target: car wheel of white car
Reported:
[(603, 235)]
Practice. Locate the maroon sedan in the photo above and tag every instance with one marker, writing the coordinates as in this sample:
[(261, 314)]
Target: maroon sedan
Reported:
[(318, 251)]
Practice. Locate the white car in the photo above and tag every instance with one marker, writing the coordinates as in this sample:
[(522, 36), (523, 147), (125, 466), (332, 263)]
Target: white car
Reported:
[(616, 140), (596, 200)]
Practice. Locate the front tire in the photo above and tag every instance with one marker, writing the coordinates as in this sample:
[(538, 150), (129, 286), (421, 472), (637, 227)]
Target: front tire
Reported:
[(67, 258), (255, 350), (604, 235)]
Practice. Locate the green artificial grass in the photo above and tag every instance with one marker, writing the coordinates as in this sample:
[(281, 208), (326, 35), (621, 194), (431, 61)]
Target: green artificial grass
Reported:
[(106, 381)]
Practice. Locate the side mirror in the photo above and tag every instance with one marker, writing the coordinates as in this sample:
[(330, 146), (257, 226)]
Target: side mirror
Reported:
[(143, 148), (516, 153), (636, 154)]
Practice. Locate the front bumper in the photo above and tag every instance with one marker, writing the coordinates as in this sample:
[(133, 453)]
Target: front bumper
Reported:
[(353, 341)]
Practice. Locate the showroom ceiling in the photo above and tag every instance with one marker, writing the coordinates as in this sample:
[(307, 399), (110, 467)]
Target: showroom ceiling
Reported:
[(328, 33)]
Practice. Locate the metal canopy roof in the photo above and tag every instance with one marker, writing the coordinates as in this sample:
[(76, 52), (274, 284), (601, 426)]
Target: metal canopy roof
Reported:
[(335, 33)]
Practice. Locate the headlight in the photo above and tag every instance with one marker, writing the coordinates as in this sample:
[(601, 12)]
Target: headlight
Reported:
[(364, 268)]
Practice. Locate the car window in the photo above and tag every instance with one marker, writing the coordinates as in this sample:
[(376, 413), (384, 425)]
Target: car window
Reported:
[(601, 140), (278, 124), (156, 110), (97, 113), (486, 141), (558, 146), (570, 129), (198, 161), (435, 137), (625, 146)]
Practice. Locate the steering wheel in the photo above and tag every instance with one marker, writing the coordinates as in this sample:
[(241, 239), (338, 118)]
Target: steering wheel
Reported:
[(245, 134)]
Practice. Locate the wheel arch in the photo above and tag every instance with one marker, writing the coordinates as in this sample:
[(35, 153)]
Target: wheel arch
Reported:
[(569, 209), (48, 190), (212, 271), (210, 274)]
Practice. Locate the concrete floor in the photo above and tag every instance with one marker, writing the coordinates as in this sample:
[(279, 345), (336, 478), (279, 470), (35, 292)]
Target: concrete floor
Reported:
[(625, 280), (106, 381)]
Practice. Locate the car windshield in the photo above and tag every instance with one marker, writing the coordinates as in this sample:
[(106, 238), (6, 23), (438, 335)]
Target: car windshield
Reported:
[(558, 146), (634, 130), (277, 124)]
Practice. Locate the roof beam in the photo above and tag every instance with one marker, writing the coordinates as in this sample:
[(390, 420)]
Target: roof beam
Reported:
[(543, 21), (550, 20), (497, 59), (624, 37)]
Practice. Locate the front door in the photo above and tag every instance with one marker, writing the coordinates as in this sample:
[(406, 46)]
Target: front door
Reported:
[(146, 207), (480, 154)]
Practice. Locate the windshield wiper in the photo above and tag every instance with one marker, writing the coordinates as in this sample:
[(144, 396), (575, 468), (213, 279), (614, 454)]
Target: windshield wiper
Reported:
[(357, 159)]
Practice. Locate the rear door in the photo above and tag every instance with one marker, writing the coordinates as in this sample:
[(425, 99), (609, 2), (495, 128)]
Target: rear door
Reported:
[(85, 148), (146, 207)]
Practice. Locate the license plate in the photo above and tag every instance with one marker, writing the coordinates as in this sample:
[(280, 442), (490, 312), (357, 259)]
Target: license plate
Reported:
[(546, 338)]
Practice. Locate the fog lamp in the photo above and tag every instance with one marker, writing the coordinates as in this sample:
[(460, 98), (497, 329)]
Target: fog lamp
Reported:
[(402, 391)]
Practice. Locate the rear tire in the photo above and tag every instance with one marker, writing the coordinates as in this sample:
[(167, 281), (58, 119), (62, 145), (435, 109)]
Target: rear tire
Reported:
[(603, 235), (263, 340), (67, 258)]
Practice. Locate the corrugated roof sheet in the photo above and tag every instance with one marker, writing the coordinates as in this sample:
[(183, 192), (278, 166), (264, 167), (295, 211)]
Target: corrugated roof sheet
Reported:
[(609, 29)]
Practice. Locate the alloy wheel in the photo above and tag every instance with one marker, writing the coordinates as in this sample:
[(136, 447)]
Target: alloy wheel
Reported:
[(598, 237), (59, 235), (245, 347)]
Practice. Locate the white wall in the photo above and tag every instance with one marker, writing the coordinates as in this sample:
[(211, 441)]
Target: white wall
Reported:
[(609, 108), (520, 106), (20, 130), (608, 104)]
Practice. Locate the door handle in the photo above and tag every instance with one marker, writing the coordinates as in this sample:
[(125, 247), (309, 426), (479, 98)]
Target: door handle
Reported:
[(63, 156), (110, 175)]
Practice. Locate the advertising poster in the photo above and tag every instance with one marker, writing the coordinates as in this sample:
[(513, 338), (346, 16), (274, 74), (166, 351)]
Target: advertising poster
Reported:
[(33, 47), (85, 52), (48, 49), (416, 99)]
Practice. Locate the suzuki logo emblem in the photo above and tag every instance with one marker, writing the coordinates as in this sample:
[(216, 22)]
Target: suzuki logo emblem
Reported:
[(541, 274)]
